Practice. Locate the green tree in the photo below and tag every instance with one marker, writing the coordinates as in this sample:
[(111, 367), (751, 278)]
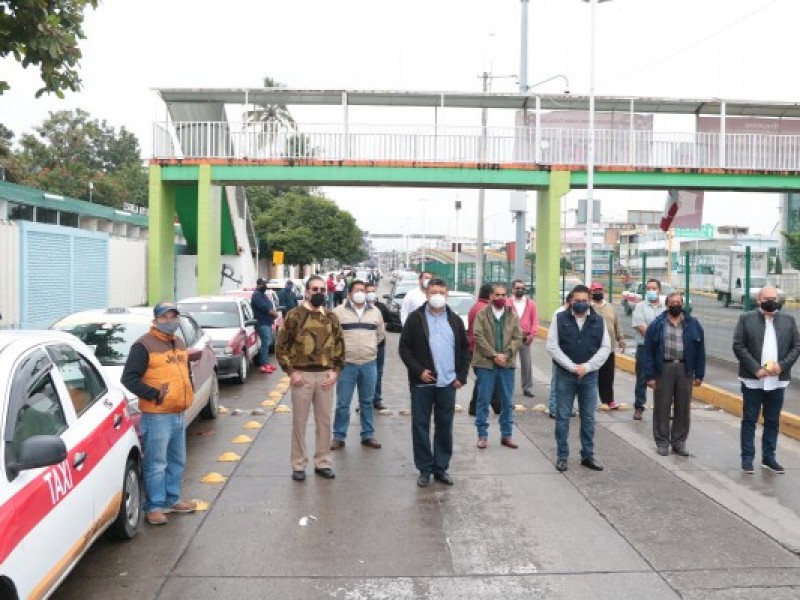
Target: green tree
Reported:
[(792, 248), (70, 149), (309, 228), (44, 33), (269, 120)]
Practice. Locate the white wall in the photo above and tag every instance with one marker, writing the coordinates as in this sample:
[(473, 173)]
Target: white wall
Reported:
[(234, 275), (127, 269), (9, 275)]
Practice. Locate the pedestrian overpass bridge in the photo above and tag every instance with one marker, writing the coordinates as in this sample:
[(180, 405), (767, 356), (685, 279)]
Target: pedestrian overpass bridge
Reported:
[(724, 145)]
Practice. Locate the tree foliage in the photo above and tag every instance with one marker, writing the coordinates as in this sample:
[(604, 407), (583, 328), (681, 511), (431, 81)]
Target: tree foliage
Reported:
[(44, 33), (69, 150), (308, 228), (792, 248)]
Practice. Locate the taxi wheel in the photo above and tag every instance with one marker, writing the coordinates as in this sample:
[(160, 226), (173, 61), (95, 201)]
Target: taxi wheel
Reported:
[(130, 511), (244, 367), (210, 409)]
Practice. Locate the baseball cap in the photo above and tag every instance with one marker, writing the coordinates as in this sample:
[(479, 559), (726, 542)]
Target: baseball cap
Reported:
[(261, 281), (596, 286), (164, 307)]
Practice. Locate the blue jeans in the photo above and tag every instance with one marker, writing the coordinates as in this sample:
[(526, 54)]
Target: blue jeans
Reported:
[(551, 401), (756, 401), (381, 358), (586, 388), (265, 335), (640, 391), (164, 460), (441, 401), (487, 379), (364, 377)]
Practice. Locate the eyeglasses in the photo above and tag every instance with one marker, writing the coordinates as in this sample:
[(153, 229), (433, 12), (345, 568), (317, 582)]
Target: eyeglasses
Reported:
[(315, 289)]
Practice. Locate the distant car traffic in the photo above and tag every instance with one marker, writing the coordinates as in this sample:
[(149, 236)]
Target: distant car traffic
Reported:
[(230, 323), (70, 461), (394, 300), (460, 303), (111, 332), (630, 298)]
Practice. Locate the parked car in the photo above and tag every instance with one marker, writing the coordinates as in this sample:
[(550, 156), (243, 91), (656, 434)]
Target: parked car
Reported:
[(111, 332), (70, 462), (230, 323), (276, 285), (569, 284), (394, 299), (277, 323), (460, 303)]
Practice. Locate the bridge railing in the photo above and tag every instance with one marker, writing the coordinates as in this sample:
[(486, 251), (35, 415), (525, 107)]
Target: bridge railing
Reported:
[(495, 145)]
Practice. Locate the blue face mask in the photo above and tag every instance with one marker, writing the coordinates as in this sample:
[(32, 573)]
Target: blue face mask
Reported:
[(167, 327), (651, 295), (580, 308)]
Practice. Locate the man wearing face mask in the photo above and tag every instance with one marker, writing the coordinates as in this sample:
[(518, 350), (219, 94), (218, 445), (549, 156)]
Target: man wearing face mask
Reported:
[(579, 343), (416, 297), (310, 349), (498, 336), (645, 313), (435, 350), (525, 308), (363, 329), (605, 376), (157, 371), (767, 344), (265, 314), (674, 359), (372, 298)]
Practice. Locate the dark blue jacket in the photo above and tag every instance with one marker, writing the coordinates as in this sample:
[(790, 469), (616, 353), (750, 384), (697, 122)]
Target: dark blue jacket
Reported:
[(287, 299), (580, 345), (694, 347), (262, 308)]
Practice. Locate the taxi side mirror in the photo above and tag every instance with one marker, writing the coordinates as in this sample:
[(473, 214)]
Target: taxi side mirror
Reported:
[(38, 451)]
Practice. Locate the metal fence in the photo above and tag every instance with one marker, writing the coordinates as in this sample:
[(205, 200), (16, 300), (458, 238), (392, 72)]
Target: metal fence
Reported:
[(497, 145)]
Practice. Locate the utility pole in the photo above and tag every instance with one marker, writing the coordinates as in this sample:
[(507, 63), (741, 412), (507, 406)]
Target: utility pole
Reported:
[(519, 197), (481, 195)]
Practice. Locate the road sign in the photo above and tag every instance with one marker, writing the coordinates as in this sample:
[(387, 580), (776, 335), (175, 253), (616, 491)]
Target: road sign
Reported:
[(277, 257)]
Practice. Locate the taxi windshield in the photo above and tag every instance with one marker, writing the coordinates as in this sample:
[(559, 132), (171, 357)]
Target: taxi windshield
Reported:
[(111, 342)]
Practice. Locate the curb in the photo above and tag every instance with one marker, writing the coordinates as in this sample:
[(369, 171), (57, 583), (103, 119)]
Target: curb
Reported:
[(712, 395)]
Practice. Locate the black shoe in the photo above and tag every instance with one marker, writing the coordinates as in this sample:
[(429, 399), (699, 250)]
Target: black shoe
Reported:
[(472, 409), (299, 475), (663, 450), (680, 450), (747, 467), (552, 416), (772, 465), (443, 477), (423, 480), (591, 463), (561, 465), (326, 473), (528, 394), (379, 405)]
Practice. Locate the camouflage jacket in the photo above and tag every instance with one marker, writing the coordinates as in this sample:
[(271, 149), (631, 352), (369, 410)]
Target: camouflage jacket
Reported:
[(310, 341)]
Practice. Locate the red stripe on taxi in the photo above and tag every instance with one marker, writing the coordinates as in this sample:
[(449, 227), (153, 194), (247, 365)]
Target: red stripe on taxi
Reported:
[(28, 507)]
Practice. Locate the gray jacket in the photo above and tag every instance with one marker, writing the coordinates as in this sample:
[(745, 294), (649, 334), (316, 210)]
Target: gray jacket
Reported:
[(748, 341)]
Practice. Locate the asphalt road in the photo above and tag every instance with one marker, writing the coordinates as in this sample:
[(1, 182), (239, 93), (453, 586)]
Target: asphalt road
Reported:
[(511, 527)]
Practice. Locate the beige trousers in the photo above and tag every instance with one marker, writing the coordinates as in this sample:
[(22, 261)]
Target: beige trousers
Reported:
[(303, 398)]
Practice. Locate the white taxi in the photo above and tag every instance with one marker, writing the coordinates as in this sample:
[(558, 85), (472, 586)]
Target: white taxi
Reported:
[(69, 460)]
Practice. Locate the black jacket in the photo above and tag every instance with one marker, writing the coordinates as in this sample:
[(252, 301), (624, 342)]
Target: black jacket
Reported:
[(748, 341), (385, 314), (415, 349)]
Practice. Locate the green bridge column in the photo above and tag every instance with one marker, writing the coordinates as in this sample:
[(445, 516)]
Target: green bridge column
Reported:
[(548, 242), (209, 213), (161, 239)]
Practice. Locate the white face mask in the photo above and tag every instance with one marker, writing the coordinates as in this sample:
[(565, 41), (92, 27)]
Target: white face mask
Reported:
[(425, 282), (437, 301), (371, 297), (359, 297)]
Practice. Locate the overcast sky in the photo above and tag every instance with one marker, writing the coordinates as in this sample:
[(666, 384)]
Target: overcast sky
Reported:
[(735, 49)]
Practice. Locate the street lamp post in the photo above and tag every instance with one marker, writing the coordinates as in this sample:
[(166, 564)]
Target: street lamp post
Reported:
[(424, 232), (455, 277), (590, 158)]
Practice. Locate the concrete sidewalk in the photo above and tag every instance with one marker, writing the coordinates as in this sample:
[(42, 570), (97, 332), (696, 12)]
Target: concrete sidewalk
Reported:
[(648, 527)]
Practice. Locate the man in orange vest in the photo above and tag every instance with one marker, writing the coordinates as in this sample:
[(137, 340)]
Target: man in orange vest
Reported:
[(157, 371)]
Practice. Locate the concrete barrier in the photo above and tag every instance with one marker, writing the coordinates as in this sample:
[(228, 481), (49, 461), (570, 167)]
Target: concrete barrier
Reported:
[(710, 394)]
